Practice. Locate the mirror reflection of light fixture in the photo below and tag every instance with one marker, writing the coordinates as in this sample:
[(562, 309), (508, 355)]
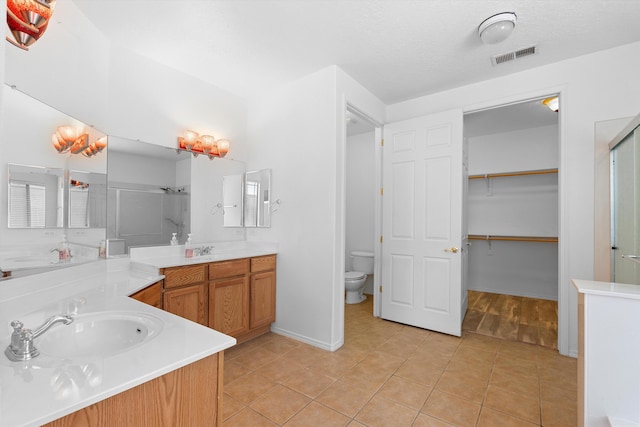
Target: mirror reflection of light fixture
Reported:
[(553, 103), (203, 144), (497, 28), (70, 139), (28, 20)]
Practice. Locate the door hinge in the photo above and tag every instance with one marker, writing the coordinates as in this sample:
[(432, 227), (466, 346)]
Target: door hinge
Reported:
[(380, 288), (382, 191), (380, 239), (382, 142)]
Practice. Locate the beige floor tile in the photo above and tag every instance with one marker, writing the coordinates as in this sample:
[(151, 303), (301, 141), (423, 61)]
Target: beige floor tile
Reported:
[(231, 406), (558, 414), (523, 407), (420, 372), (234, 370), (405, 392), (246, 389), (480, 371), (279, 404), (493, 418), (462, 386), (482, 342), (315, 414), (424, 420), (518, 384), (256, 357), (451, 409), (309, 382), (475, 354), (550, 392), (281, 345), (280, 369), (305, 355), (380, 412), (248, 417), (345, 397)]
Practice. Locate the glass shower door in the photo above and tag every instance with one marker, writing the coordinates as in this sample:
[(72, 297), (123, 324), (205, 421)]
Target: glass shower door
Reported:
[(625, 209)]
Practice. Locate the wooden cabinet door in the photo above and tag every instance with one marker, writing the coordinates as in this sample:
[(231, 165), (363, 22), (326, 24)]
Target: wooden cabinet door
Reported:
[(262, 309), (229, 305), (151, 295), (189, 302)]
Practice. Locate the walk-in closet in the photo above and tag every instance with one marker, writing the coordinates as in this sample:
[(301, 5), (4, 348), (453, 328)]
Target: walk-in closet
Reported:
[(512, 206)]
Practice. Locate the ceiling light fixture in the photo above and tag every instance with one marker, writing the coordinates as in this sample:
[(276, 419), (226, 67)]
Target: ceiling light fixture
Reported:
[(553, 103), (497, 28)]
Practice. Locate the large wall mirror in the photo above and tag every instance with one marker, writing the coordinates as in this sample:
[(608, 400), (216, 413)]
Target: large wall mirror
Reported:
[(155, 191), (40, 203)]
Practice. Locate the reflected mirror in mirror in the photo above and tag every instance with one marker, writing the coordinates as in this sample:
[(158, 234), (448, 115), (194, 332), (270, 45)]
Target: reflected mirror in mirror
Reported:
[(257, 212), (232, 200), (87, 199), (148, 195), (35, 196)]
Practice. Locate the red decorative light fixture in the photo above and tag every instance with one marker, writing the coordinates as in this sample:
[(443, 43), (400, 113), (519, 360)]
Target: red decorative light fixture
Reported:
[(28, 20), (70, 139), (203, 144)]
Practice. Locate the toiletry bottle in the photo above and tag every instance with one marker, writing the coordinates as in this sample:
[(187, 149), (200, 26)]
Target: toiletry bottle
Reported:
[(188, 250), (102, 249), (63, 250), (174, 239)]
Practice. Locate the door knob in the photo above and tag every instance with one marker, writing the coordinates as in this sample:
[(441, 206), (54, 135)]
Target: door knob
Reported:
[(452, 249)]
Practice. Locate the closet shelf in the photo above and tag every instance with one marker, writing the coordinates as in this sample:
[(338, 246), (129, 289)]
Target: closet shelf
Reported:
[(521, 173), (514, 238)]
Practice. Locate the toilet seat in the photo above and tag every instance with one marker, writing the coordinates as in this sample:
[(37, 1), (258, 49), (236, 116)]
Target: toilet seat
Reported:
[(354, 275)]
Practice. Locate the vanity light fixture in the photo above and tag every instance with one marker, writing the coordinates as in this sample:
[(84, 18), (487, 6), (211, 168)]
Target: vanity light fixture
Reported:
[(95, 147), (70, 139), (553, 103), (203, 144), (497, 28), (28, 20)]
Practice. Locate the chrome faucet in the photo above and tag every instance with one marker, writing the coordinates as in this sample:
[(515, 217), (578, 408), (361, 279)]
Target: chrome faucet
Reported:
[(206, 250), (21, 347)]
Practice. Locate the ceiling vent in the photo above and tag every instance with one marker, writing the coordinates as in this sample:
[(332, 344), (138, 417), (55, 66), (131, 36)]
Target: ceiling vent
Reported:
[(510, 56)]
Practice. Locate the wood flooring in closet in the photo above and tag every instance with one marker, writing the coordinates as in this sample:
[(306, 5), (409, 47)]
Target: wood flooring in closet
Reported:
[(524, 319)]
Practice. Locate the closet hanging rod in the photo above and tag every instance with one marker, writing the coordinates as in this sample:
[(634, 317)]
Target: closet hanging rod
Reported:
[(514, 238), (503, 174)]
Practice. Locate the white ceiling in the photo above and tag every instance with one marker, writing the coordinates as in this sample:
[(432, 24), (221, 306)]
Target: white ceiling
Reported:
[(397, 49)]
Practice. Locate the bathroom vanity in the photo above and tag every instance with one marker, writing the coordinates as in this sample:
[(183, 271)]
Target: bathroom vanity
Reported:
[(172, 375), (232, 292)]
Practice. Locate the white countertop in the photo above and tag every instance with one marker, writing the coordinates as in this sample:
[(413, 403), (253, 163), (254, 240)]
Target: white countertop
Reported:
[(611, 289), (46, 388), (173, 256)]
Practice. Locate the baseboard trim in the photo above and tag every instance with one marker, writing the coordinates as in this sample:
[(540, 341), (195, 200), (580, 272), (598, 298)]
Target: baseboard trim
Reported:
[(320, 344)]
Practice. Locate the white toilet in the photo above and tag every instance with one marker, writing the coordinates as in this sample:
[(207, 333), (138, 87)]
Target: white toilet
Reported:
[(362, 265)]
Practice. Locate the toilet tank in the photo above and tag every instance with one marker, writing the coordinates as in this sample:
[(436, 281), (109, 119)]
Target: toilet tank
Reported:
[(362, 262)]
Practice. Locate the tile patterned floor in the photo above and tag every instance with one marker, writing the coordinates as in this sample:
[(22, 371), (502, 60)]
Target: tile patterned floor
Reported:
[(389, 375)]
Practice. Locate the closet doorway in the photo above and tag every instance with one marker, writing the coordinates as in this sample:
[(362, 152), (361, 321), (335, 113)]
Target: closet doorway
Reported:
[(512, 159)]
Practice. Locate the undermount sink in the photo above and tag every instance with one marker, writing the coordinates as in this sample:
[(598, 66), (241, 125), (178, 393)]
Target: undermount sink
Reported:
[(99, 334)]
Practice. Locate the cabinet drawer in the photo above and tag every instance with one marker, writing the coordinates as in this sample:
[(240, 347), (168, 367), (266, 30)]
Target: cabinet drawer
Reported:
[(234, 267), (180, 276), (263, 263)]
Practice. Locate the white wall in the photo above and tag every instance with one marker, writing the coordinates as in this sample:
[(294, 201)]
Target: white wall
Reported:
[(298, 131), (594, 87), (361, 187)]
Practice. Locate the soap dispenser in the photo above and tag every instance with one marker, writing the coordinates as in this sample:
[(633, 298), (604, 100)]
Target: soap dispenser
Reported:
[(63, 250), (188, 250), (174, 239)]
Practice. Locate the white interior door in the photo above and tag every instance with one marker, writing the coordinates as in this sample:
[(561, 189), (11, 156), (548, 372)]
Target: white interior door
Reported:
[(422, 212)]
